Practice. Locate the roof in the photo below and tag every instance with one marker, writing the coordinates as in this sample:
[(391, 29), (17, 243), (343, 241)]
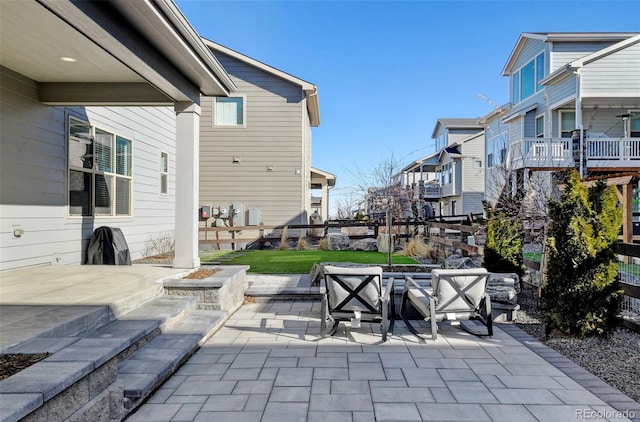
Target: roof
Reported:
[(562, 37), (325, 176), (116, 52), (456, 123), (563, 71), (310, 90), (426, 161)]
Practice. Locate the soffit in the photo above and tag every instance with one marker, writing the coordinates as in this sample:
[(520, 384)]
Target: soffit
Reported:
[(32, 41)]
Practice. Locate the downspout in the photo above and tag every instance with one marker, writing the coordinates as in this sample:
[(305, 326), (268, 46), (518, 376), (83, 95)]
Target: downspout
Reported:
[(579, 119)]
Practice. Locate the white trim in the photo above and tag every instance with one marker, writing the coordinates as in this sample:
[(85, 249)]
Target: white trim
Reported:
[(562, 102), (244, 112)]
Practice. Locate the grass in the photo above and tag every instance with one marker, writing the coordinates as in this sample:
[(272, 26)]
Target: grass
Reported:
[(533, 256), (298, 262)]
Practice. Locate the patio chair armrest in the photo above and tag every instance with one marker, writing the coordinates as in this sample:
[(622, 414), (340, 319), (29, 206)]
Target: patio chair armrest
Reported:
[(487, 303), (388, 290), (409, 282)]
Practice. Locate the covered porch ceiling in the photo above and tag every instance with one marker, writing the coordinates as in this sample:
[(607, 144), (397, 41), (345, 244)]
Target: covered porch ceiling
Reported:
[(108, 53)]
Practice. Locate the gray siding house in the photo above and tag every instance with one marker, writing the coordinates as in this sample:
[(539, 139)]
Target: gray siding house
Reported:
[(255, 146), (460, 167), (451, 180), (94, 101), (574, 102)]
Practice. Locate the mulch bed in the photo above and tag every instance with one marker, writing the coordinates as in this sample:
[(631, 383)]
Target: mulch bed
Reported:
[(12, 364)]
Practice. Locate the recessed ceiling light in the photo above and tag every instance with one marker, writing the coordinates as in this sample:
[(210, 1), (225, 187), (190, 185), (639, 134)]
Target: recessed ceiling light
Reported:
[(68, 59)]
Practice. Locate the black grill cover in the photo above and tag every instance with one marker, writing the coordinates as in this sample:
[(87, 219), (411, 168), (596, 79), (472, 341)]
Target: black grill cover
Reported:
[(108, 247)]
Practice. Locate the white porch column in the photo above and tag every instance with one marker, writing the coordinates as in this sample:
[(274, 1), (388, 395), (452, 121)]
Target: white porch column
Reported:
[(325, 202), (187, 184)]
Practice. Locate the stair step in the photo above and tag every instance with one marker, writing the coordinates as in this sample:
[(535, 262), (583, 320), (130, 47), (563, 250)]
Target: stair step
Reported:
[(150, 366)]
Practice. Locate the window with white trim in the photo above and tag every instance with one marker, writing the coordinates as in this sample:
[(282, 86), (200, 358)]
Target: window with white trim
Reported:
[(567, 123), (540, 126), (526, 81), (228, 111), (634, 124), (164, 173), (100, 177)]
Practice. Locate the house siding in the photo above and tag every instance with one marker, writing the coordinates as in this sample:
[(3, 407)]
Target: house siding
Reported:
[(530, 50), (563, 52), (597, 80), (33, 176), (275, 135)]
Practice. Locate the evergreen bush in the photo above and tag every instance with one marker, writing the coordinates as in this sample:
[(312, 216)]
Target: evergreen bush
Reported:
[(503, 249), (580, 296)]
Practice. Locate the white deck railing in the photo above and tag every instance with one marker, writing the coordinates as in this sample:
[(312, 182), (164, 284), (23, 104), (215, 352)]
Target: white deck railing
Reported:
[(558, 152)]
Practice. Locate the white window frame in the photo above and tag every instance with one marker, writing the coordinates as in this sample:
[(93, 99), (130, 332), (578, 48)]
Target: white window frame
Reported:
[(516, 88), (538, 119), (164, 173), (229, 126), (111, 177), (635, 114), (560, 130)]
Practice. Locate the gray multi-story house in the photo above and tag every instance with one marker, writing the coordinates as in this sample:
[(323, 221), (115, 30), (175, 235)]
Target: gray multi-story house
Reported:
[(255, 146), (450, 181), (97, 111), (574, 102)]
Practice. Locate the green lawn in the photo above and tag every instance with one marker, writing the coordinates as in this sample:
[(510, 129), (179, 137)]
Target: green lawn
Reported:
[(297, 262)]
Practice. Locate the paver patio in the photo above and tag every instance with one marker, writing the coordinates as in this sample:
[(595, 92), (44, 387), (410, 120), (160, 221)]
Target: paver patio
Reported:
[(268, 363)]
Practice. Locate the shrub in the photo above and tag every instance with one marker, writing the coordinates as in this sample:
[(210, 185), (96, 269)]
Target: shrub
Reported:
[(503, 249), (323, 244), (417, 248), (303, 244), (284, 243), (581, 295)]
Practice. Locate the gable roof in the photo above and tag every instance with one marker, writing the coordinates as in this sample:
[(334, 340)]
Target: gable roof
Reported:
[(590, 58), (562, 37), (456, 123), (310, 90)]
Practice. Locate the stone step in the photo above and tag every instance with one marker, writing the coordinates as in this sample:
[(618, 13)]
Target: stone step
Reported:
[(40, 334), (144, 371), (42, 389)]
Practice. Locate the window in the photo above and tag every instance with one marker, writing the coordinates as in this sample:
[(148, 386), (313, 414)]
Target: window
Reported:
[(477, 164), (496, 149), (526, 81), (99, 171), (164, 173), (540, 127), (567, 123), (228, 111), (634, 125)]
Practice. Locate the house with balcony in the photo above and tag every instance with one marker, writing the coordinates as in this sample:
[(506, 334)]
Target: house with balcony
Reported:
[(97, 109), (451, 180), (255, 147), (574, 102)]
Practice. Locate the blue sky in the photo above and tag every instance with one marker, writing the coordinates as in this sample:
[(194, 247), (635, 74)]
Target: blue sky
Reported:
[(387, 70)]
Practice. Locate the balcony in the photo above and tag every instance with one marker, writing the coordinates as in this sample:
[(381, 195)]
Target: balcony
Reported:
[(423, 191), (558, 153), (430, 192)]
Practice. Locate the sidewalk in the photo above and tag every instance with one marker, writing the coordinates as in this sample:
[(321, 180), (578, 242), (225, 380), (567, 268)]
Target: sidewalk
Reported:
[(268, 363)]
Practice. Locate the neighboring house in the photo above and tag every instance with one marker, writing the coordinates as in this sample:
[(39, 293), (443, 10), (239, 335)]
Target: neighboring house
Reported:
[(451, 180), (256, 146), (575, 102), (95, 99)]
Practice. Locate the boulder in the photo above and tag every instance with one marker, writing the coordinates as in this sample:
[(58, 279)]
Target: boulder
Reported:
[(365, 245), (383, 242), (338, 242)]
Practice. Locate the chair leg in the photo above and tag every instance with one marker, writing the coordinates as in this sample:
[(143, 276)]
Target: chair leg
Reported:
[(403, 314), (323, 317), (334, 328), (434, 324)]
